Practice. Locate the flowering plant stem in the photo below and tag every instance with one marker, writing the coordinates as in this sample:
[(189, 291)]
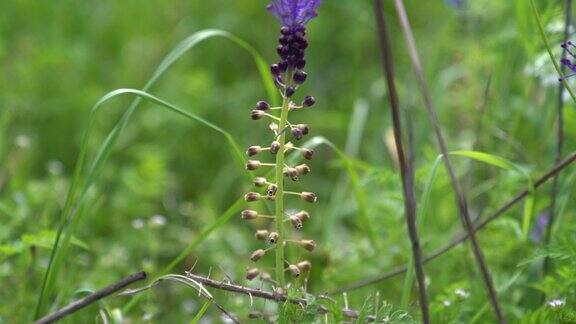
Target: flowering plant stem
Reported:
[(280, 192)]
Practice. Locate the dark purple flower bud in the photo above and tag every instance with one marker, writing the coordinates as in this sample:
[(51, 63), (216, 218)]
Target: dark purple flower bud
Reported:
[(300, 76), (294, 13), (309, 101), (289, 91), (274, 147), (283, 39), (262, 105), (285, 30), (256, 114), (297, 133), (282, 50), (300, 64), (283, 66), (275, 69)]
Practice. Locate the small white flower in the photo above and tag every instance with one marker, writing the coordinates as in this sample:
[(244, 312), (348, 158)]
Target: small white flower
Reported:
[(23, 141), (157, 221), (447, 303), (461, 293), (138, 223), (557, 303)]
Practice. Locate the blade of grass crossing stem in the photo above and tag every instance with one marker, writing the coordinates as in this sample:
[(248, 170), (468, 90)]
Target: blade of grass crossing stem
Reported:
[(549, 50), (102, 155), (507, 165), (201, 312), (409, 278), (359, 195)]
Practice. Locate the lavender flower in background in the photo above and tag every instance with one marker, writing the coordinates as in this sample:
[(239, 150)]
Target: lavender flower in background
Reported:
[(569, 48), (538, 232), (555, 303), (458, 4)]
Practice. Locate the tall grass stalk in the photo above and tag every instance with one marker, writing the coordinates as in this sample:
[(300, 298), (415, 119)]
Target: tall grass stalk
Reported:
[(405, 169), (460, 196)]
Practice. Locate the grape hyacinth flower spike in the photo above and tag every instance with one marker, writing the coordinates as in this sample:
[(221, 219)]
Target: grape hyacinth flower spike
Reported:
[(288, 75)]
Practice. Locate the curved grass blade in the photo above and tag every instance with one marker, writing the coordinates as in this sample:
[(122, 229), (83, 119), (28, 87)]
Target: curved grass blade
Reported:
[(187, 44), (507, 165), (201, 312)]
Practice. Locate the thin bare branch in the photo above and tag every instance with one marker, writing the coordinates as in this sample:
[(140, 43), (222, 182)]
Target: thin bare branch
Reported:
[(460, 197), (405, 166), (86, 301), (463, 236)]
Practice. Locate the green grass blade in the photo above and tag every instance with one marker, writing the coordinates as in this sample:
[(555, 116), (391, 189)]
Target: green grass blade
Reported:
[(187, 44), (508, 165), (422, 210), (201, 312)]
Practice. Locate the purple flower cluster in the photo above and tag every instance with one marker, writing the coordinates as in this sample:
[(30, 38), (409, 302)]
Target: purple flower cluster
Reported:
[(293, 14), (569, 47)]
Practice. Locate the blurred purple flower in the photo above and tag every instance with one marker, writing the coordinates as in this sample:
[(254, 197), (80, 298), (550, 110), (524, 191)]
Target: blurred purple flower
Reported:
[(568, 47), (294, 12), (458, 4), (538, 232)]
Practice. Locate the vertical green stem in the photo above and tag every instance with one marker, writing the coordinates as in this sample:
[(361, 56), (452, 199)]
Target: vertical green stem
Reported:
[(280, 194)]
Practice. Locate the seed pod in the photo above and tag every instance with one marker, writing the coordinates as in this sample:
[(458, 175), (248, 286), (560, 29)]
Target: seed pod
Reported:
[(294, 271), (309, 101), (304, 128), (309, 245), (256, 114), (274, 147), (260, 181), (302, 169), (261, 234), (302, 215), (262, 105), (297, 133), (309, 197), (253, 165), (256, 255), (252, 273), (292, 173), (296, 222), (307, 153), (304, 265), (249, 214), (265, 276), (252, 196), (273, 238), (253, 150), (271, 191)]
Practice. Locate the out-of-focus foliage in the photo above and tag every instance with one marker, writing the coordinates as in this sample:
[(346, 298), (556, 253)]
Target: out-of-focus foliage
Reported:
[(169, 178)]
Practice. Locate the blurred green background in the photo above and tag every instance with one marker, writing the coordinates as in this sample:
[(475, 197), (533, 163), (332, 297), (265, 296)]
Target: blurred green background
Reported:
[(169, 178)]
